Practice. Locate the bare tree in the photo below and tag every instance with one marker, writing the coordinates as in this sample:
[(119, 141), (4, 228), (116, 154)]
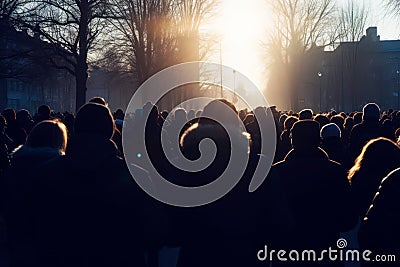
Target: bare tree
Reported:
[(72, 27), (393, 6), (352, 20), (154, 34), (300, 25)]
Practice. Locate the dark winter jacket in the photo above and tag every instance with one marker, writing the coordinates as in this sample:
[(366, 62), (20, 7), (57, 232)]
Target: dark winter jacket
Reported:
[(318, 197), (89, 209)]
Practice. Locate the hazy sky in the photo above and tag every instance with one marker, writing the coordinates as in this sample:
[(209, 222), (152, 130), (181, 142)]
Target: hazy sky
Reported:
[(243, 26)]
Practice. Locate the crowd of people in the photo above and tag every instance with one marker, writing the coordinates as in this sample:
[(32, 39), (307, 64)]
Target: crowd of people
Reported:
[(68, 199)]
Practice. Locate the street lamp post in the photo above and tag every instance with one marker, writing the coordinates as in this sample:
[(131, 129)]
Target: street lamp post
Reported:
[(320, 90)]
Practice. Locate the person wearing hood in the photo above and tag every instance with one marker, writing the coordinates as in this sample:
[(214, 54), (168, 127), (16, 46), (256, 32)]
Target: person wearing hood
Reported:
[(46, 141), (89, 210)]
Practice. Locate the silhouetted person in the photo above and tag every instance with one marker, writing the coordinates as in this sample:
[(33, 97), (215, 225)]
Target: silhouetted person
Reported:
[(285, 145), (46, 141), (377, 159), (332, 143), (388, 130), (322, 120), (317, 193), (25, 120), (380, 232), (13, 131), (306, 114), (89, 207), (43, 113), (98, 100), (117, 136), (368, 129), (229, 226)]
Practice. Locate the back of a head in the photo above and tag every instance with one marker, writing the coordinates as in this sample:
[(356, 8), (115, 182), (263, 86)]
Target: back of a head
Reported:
[(9, 114), (119, 114), (180, 115), (288, 124), (338, 120), (94, 119), (48, 133), (98, 100), (305, 135), (221, 110), (380, 154), (23, 115), (306, 114), (371, 112), (322, 120), (44, 111)]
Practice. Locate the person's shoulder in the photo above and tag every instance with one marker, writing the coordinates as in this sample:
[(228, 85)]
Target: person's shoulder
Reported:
[(392, 180)]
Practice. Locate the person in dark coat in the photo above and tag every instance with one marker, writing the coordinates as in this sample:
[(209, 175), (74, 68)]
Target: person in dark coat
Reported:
[(368, 129), (284, 145), (332, 143), (379, 231), (224, 232), (317, 193), (13, 131), (46, 141), (89, 209), (43, 113)]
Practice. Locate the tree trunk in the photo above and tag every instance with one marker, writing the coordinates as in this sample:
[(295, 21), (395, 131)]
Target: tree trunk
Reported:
[(80, 82), (81, 66)]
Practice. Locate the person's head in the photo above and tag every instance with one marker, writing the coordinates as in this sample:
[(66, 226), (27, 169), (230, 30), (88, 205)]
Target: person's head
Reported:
[(330, 130), (50, 134), (9, 115), (322, 120), (94, 119), (98, 100), (305, 135), (221, 110), (180, 115), (23, 116), (282, 119), (44, 111), (348, 123), (371, 112), (191, 114), (119, 114), (338, 120), (288, 124), (378, 155), (306, 114)]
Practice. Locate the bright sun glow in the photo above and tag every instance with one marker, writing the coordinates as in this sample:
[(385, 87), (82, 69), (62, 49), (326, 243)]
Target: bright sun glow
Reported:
[(242, 26)]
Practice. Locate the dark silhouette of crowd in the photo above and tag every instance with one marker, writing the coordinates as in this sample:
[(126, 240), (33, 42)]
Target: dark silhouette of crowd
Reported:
[(67, 197)]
